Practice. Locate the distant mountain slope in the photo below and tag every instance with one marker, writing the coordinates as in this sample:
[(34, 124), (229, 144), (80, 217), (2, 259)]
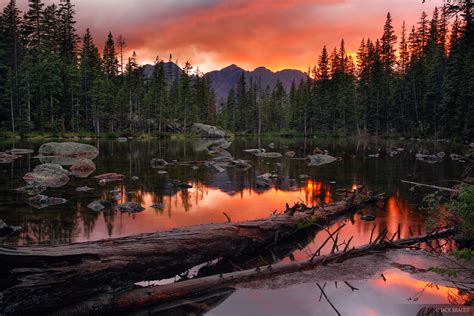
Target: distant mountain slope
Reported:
[(225, 79)]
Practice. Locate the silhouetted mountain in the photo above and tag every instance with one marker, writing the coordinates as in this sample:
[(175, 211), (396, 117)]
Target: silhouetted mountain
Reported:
[(223, 80), (172, 71)]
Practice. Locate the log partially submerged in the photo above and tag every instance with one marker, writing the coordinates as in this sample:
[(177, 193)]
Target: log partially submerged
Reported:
[(163, 297), (43, 279)]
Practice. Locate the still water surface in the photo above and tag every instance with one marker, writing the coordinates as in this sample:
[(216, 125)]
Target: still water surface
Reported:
[(236, 193)]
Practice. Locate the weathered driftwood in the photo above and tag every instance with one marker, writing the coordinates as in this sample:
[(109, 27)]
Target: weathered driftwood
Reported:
[(161, 297), (41, 279)]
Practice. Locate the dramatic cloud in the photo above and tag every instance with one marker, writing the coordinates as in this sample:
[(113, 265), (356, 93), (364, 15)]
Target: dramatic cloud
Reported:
[(215, 33)]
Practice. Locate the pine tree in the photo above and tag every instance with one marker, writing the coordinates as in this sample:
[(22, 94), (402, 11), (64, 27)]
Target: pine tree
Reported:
[(388, 42), (404, 57), (32, 26), (109, 60)]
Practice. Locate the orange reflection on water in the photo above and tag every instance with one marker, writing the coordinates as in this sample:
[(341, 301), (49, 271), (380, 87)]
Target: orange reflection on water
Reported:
[(198, 205)]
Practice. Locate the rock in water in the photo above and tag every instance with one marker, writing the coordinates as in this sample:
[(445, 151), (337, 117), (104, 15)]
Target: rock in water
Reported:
[(83, 168), (208, 131), (429, 158), (254, 151), (131, 207), (18, 151), (42, 201), (84, 189), (109, 177), (99, 205), (66, 153), (319, 160), (270, 155), (367, 218), (290, 154), (33, 188), (48, 175), (241, 165), (158, 163), (158, 206), (7, 158)]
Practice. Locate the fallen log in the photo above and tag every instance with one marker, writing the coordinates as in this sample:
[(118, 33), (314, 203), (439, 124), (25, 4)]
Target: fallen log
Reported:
[(431, 186), (157, 298), (42, 279)]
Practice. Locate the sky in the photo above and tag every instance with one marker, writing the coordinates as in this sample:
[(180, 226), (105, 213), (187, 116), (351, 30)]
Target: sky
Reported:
[(213, 34)]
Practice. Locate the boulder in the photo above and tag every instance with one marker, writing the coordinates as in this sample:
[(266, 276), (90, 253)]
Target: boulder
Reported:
[(319, 160), (271, 145), (241, 165), (83, 168), (204, 144), (471, 145), (99, 205), (48, 175), (208, 131), (66, 153), (109, 177), (42, 201), (290, 154), (270, 155), (32, 188), (122, 139), (131, 207)]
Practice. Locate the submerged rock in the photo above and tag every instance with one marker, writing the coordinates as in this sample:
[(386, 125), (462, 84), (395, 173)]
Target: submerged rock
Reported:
[(203, 144), (6, 230), (7, 158), (157, 163), (158, 206), (66, 153), (33, 188), (131, 207), (48, 175), (162, 172), (255, 151), (42, 201), (99, 205), (214, 166), (270, 155), (109, 177), (241, 165), (208, 131), (181, 184), (429, 158), (83, 168), (367, 218), (19, 151), (84, 189), (319, 160), (122, 139), (374, 155)]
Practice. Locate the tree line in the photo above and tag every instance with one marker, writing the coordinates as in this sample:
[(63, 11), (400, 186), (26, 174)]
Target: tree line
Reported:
[(53, 80), (418, 84)]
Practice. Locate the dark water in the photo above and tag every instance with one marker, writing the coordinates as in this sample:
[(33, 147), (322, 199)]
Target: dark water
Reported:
[(235, 193)]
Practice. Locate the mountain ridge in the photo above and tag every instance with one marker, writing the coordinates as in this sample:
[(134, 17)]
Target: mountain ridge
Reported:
[(225, 79)]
